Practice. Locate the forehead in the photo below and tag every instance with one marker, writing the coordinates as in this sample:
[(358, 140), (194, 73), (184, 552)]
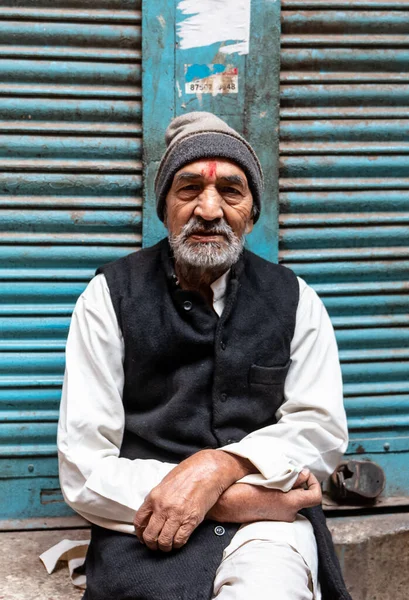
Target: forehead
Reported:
[(213, 168)]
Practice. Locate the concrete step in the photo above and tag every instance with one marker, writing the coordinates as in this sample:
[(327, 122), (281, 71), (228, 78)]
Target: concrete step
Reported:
[(374, 555)]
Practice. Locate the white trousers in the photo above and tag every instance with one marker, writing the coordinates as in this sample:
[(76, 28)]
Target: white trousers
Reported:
[(270, 561)]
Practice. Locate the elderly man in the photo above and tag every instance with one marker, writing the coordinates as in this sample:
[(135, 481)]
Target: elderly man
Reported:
[(202, 399)]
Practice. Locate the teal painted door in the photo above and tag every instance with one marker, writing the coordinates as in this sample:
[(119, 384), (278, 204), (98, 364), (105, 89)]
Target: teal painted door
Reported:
[(70, 200), (344, 204), (226, 63)]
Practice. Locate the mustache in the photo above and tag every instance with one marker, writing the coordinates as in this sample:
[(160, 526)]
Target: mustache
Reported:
[(220, 254), (197, 225)]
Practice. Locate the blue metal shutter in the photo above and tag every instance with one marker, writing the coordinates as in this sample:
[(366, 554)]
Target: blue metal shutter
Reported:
[(70, 200), (344, 198)]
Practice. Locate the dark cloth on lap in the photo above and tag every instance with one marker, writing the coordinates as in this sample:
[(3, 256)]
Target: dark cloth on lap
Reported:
[(118, 564)]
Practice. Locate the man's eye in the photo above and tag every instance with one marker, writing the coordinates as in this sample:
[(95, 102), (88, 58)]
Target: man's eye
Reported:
[(229, 190), (189, 188)]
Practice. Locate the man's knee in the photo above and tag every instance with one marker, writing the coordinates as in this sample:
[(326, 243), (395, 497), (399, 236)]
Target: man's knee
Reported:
[(263, 570)]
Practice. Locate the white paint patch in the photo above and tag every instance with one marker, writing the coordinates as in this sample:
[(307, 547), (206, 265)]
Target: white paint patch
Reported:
[(178, 88), (212, 21), (162, 21)]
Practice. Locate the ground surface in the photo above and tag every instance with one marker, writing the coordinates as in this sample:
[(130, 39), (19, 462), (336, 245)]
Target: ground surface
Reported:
[(22, 574)]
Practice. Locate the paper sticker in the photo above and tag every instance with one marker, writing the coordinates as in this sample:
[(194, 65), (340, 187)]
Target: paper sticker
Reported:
[(208, 22), (211, 79)]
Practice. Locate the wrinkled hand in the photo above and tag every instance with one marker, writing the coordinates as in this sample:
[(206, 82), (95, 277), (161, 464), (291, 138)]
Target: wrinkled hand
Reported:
[(176, 506), (245, 503)]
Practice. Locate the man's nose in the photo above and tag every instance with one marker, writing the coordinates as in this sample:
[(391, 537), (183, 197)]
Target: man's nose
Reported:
[(209, 205)]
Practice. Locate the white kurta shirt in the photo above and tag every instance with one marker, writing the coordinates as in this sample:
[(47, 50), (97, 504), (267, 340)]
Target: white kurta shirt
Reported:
[(311, 429)]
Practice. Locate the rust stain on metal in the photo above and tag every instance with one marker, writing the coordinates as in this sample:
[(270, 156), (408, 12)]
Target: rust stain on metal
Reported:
[(77, 216), (360, 449)]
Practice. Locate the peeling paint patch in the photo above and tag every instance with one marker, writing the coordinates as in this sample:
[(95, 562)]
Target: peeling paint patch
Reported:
[(211, 79), (212, 21), (162, 21), (178, 89)]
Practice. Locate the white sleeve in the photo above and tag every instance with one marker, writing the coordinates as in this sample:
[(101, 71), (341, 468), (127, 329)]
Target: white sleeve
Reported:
[(99, 485), (311, 429)]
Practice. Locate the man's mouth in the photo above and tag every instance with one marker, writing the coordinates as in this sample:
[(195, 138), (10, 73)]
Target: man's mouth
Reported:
[(206, 236)]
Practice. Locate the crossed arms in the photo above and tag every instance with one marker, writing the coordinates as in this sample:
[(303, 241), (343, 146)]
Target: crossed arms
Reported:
[(205, 485)]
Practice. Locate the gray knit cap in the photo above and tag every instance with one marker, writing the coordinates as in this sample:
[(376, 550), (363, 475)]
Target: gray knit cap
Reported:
[(199, 135)]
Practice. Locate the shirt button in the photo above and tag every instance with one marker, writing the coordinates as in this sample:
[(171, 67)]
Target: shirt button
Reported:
[(219, 530), (223, 397), (187, 305), (222, 345)]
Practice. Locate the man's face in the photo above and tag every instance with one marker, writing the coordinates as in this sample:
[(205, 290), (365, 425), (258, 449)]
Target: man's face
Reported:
[(208, 212)]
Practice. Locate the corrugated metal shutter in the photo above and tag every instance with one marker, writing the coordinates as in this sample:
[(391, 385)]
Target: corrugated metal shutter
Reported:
[(345, 202), (70, 200)]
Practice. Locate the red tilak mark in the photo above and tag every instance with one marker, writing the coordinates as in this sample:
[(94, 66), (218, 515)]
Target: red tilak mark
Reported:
[(211, 168)]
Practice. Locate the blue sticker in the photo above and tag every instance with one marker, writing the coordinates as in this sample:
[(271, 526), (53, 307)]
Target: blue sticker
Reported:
[(211, 79)]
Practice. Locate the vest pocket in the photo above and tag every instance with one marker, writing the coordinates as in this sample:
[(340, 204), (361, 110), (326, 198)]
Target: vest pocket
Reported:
[(267, 390), (268, 375)]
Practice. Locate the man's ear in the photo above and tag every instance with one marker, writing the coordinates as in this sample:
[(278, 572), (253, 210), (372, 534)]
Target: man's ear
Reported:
[(250, 222), (165, 216)]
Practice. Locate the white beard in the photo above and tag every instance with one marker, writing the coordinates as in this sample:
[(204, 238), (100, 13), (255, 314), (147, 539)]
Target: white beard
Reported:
[(206, 257)]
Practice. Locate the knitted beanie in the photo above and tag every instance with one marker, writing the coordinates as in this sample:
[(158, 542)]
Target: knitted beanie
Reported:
[(198, 135)]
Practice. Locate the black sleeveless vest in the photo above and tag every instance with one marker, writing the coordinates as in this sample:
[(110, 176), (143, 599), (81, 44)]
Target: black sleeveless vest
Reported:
[(192, 381)]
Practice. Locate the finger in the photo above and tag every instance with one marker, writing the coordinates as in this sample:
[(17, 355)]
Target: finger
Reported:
[(301, 479), (312, 482), (182, 535), (140, 523), (152, 531), (141, 520), (166, 537), (314, 486), (312, 496)]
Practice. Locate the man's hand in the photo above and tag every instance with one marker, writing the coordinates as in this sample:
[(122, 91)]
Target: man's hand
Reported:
[(175, 507), (244, 503)]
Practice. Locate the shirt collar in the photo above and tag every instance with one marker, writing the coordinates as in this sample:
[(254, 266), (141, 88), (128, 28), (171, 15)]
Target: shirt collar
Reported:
[(219, 286)]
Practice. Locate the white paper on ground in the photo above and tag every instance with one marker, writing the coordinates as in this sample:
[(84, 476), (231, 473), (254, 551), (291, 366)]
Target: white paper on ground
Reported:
[(71, 551)]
